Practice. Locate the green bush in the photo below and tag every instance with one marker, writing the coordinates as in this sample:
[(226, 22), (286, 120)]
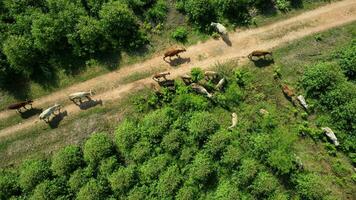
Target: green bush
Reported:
[(150, 169), (218, 142), (311, 187), (33, 172), (201, 169), (347, 60), (188, 192), (172, 141), (126, 136), (231, 156), (321, 78), (158, 12), (92, 190), (190, 102), (67, 160), (9, 184), (264, 185), (201, 125), (122, 179), (180, 34), (141, 151), (200, 12), (281, 160), (227, 191), (338, 96), (98, 147), (108, 166), (54, 189), (247, 172), (169, 182), (197, 74), (78, 179), (283, 5), (234, 10)]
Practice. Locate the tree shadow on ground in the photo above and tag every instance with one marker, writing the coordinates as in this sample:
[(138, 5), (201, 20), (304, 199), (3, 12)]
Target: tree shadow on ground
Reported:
[(263, 62), (226, 39), (56, 120), (30, 112)]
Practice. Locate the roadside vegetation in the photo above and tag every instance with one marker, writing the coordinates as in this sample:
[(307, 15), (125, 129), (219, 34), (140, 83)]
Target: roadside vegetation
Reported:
[(176, 144), (46, 45)]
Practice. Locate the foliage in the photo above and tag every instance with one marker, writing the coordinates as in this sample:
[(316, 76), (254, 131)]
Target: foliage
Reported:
[(66, 160), (197, 74), (122, 179), (49, 190), (97, 147), (169, 181), (8, 184), (311, 187), (347, 60), (201, 125), (200, 12), (33, 172), (180, 34), (158, 12), (92, 190)]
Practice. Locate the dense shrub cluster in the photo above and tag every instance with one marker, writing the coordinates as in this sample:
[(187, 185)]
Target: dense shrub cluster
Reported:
[(181, 150), (40, 37), (327, 82)]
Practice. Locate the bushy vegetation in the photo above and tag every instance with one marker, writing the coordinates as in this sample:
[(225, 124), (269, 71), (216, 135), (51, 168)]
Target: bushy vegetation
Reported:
[(180, 150)]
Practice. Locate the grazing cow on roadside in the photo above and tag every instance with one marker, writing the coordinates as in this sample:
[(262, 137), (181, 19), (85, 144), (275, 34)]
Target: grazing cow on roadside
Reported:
[(173, 52), (200, 89), (219, 27), (80, 95), (19, 105), (46, 114), (302, 101), (331, 135), (209, 75), (233, 120), (157, 77), (259, 53)]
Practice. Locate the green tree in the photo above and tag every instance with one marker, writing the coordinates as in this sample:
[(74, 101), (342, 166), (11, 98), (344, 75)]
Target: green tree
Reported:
[(150, 170), (311, 187), (264, 185), (281, 160), (97, 147), (227, 191), (79, 178), (188, 192), (9, 184), (197, 74), (201, 169), (320, 78), (347, 60), (201, 12), (234, 10), (48, 190), (92, 190), (122, 179), (172, 141), (33, 172), (169, 181), (108, 166), (201, 125), (218, 142), (67, 160), (126, 136)]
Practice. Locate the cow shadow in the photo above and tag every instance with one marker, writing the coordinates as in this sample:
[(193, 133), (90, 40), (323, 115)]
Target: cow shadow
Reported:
[(178, 61), (89, 104), (30, 112), (56, 120), (263, 62), (226, 39)]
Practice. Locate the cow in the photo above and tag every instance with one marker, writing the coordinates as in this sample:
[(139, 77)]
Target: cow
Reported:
[(200, 89), (233, 120), (157, 77), (219, 27), (80, 95), (19, 105), (288, 92), (187, 79), (302, 101), (173, 52), (259, 53), (209, 75), (46, 114), (220, 84), (331, 135)]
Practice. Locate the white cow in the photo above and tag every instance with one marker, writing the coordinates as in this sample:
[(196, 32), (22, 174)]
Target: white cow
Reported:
[(200, 89), (302, 101), (46, 114), (220, 84), (331, 135), (80, 95), (233, 120), (221, 28)]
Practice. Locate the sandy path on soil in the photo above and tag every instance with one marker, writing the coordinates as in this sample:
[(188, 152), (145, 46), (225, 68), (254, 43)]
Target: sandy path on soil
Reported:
[(203, 55)]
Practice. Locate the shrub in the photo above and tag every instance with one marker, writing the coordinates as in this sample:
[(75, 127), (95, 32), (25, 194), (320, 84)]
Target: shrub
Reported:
[(218, 142), (338, 96), (180, 34), (197, 74), (201, 125), (122, 179), (347, 60), (169, 182), (92, 190), (241, 77), (311, 187), (201, 12), (232, 156), (264, 184), (233, 96), (53, 189), (201, 169), (97, 147), (67, 160), (227, 191), (158, 12), (281, 160), (247, 172), (188, 192), (172, 141), (33, 172), (126, 136), (190, 102), (150, 170), (9, 185), (283, 5), (108, 166), (78, 179), (320, 78), (141, 151), (234, 10)]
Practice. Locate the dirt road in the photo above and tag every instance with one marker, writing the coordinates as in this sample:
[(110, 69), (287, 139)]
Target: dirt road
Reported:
[(203, 55)]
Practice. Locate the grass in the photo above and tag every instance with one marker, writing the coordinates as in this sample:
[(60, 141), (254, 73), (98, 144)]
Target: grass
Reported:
[(159, 40)]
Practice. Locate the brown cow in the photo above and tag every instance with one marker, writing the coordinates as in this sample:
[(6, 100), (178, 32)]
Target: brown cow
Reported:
[(259, 53), (18, 106), (174, 52), (288, 91)]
